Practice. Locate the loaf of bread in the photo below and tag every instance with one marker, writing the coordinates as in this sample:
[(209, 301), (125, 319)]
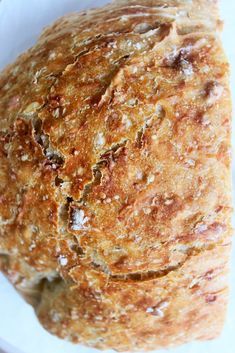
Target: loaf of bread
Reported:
[(115, 195)]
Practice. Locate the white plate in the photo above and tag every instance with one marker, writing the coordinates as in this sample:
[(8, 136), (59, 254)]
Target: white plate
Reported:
[(21, 21)]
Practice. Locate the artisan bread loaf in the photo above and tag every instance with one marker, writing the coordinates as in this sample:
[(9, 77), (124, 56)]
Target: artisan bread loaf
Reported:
[(115, 192)]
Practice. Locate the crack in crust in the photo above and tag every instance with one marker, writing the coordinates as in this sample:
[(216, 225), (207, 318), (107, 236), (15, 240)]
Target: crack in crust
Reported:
[(151, 275), (54, 158), (106, 156)]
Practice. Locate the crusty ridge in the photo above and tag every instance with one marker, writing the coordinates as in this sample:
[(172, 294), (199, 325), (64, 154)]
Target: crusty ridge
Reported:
[(115, 136)]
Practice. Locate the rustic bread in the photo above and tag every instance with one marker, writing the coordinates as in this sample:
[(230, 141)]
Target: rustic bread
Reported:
[(115, 177)]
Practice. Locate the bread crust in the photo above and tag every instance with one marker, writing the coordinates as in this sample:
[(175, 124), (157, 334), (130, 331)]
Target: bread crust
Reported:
[(115, 177)]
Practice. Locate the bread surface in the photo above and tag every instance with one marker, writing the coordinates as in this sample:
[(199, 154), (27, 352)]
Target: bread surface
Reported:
[(115, 195)]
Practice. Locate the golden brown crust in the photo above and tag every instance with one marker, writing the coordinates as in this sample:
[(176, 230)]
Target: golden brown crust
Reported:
[(115, 175)]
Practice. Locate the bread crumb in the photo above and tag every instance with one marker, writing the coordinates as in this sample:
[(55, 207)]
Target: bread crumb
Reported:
[(190, 163), (100, 140), (139, 175), (147, 210), (78, 220), (24, 158), (169, 202), (205, 69), (150, 310), (55, 317), (158, 310), (32, 246), (74, 314), (138, 46), (99, 318), (80, 170), (126, 121), (134, 69), (52, 55), (150, 179), (63, 260), (56, 113), (137, 239), (186, 68)]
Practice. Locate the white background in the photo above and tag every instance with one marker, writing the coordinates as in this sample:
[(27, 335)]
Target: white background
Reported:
[(21, 21)]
